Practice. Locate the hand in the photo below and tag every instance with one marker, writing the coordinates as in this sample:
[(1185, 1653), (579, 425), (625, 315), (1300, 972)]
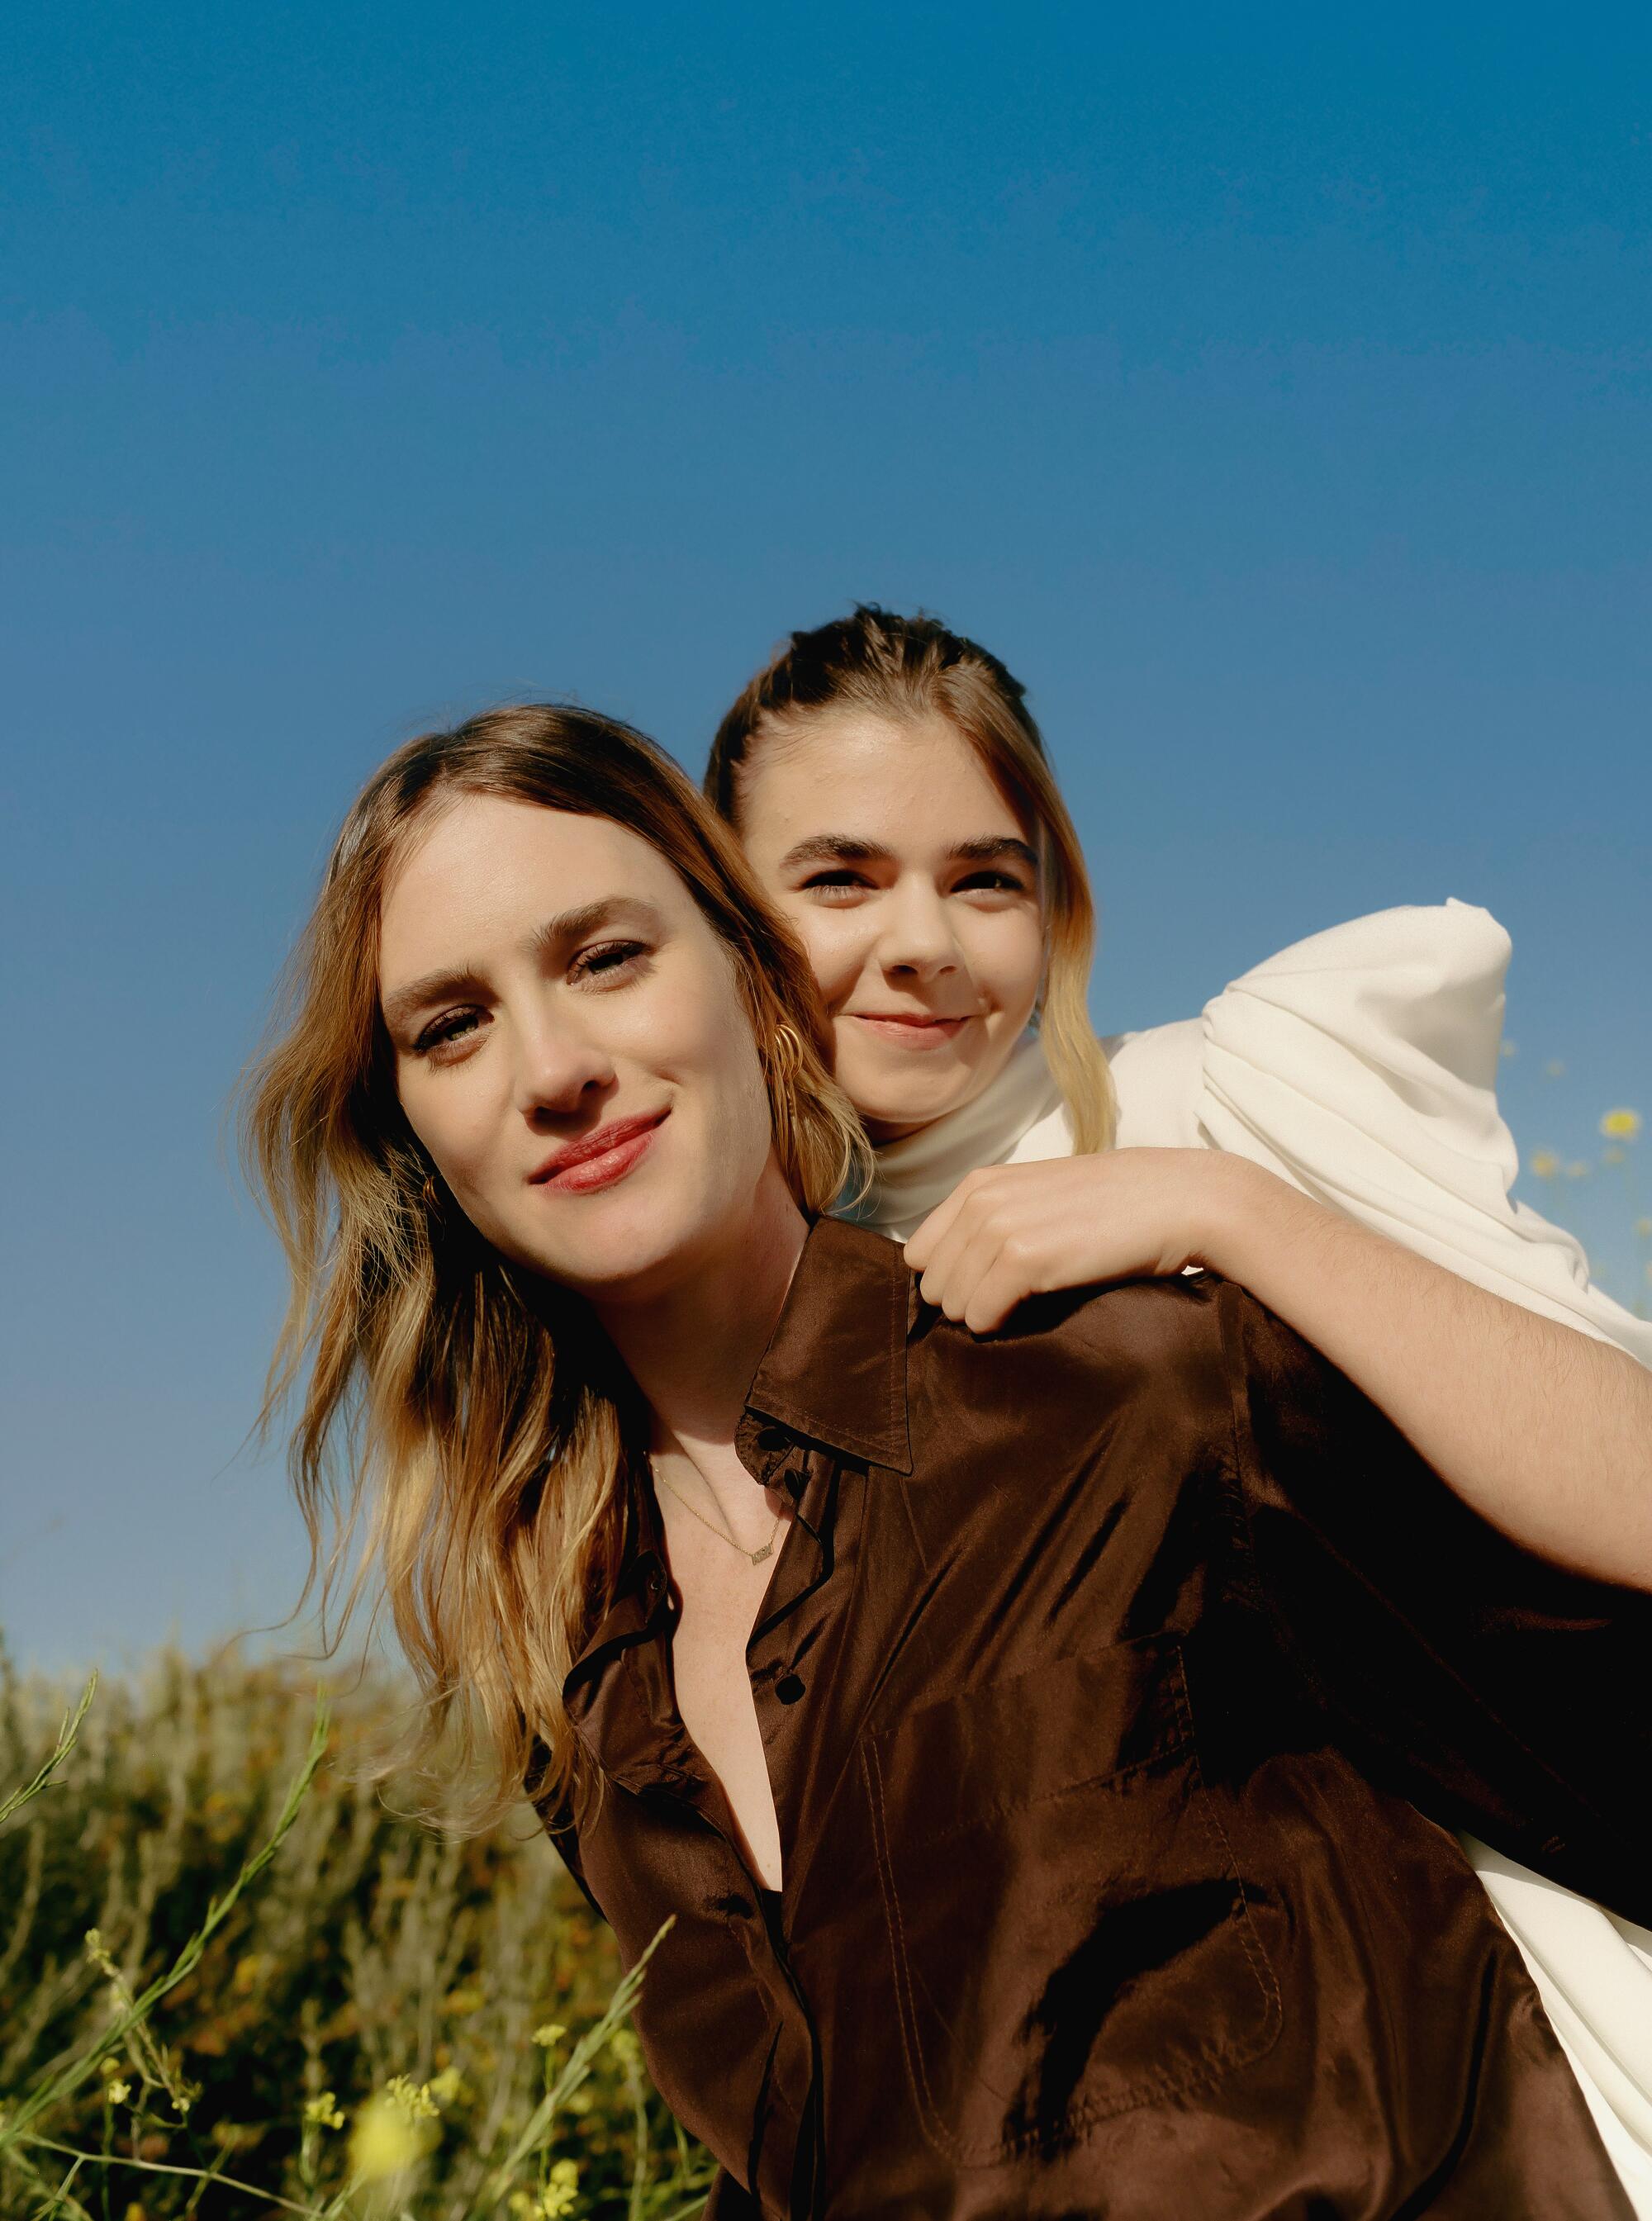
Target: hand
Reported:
[(1011, 1231)]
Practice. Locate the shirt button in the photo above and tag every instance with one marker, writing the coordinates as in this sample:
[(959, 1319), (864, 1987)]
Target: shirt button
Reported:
[(788, 1689), (772, 1438)]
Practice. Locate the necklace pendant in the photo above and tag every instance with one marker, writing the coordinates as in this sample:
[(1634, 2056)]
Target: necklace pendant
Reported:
[(758, 1556)]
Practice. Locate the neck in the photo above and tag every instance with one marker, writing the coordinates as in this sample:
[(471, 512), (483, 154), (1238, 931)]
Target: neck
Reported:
[(692, 1348)]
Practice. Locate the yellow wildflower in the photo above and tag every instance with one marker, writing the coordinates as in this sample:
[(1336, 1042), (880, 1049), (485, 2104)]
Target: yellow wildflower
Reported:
[(1621, 1125), (413, 2098), (384, 2140), (322, 2111), (447, 2087), (559, 2197), (467, 1999), (1544, 1163), (625, 2048), (118, 2092), (560, 2194), (549, 2032)]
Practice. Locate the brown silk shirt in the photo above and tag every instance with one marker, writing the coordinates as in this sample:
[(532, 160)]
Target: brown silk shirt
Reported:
[(1106, 1677)]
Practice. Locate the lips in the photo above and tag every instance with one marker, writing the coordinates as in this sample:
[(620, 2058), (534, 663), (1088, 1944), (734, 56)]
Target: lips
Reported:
[(597, 1160), (916, 1029)]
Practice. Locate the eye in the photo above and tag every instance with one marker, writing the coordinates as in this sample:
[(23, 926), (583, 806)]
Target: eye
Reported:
[(445, 1037), (838, 885), (609, 963), (992, 882)]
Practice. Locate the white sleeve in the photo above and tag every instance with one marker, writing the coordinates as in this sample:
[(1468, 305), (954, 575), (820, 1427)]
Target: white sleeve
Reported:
[(1360, 1066)]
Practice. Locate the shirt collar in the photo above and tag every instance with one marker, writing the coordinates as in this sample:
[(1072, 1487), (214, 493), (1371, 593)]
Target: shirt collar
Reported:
[(834, 1371), (833, 1376)]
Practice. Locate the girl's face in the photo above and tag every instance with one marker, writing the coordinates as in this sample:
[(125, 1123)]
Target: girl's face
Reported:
[(915, 887), (570, 1047)]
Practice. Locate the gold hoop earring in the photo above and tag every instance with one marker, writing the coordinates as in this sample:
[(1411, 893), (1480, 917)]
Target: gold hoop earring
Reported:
[(785, 1064)]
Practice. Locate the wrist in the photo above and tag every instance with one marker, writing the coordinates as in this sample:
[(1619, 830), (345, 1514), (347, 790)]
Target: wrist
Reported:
[(1241, 1216)]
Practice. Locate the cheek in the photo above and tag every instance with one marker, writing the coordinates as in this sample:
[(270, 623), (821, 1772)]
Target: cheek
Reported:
[(447, 1127), (838, 944), (1008, 955)]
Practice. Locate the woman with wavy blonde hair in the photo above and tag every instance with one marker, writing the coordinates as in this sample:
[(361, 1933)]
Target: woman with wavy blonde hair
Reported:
[(480, 1418)]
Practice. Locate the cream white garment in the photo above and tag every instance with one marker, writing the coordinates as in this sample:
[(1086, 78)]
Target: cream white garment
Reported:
[(1360, 1066)]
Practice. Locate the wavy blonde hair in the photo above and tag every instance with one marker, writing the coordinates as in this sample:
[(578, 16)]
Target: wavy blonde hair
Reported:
[(483, 1430), (905, 668)]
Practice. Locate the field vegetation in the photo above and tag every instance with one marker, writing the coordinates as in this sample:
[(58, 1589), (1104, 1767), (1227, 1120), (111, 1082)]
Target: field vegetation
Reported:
[(379, 2020)]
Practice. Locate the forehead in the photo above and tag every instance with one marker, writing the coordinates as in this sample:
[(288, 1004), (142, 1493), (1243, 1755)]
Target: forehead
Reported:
[(907, 783), (485, 869)]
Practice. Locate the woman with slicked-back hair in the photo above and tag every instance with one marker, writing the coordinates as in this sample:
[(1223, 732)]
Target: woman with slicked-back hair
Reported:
[(1326, 1134)]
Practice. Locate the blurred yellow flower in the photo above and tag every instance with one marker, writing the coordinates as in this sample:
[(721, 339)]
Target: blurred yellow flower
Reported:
[(384, 2141), (1621, 1125), (323, 2111), (560, 2194), (1544, 1163), (468, 1999), (1577, 1169), (557, 2199), (549, 2032), (447, 2087), (118, 2092), (625, 2048), (250, 1972)]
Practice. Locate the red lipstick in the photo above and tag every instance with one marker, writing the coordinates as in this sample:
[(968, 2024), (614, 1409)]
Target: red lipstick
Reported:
[(599, 1157)]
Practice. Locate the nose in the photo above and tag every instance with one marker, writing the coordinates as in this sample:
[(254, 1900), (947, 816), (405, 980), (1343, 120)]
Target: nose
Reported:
[(916, 941), (560, 1070)]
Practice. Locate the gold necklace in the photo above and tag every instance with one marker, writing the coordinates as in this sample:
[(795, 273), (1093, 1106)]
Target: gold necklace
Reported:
[(722, 1535)]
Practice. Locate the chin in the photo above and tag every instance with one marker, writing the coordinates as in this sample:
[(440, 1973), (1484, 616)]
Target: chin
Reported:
[(910, 1105)]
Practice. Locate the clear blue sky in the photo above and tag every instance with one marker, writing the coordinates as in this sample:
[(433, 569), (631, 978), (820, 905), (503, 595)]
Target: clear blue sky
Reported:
[(1271, 387)]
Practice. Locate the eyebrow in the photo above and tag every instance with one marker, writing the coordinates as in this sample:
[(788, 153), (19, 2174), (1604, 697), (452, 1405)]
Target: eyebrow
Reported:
[(845, 848), (404, 1003)]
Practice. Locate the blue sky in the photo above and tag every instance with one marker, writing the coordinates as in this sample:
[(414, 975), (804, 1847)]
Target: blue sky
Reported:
[(1271, 388)]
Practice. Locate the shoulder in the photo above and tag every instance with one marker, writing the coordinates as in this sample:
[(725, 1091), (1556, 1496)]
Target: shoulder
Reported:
[(1065, 1362), (1412, 995), (1157, 1075), (1419, 988)]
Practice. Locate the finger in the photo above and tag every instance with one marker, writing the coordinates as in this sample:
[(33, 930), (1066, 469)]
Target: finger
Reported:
[(1007, 1284), (921, 1248), (947, 1259)]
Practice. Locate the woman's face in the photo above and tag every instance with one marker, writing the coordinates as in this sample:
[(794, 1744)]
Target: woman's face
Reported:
[(915, 887), (570, 1047)]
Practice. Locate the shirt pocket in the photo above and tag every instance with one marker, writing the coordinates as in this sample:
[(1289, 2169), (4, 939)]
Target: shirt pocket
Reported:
[(1068, 1934)]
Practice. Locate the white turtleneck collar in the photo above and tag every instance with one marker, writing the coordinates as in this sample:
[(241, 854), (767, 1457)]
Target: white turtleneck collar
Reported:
[(1019, 1118)]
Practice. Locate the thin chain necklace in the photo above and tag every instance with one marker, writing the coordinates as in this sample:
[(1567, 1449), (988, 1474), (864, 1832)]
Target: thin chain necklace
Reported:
[(722, 1535)]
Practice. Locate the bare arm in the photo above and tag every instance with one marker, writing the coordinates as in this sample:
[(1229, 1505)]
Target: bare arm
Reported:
[(1546, 1433)]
